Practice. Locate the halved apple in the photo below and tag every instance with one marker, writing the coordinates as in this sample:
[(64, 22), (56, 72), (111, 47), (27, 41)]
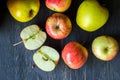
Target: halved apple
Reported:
[(46, 58), (33, 37)]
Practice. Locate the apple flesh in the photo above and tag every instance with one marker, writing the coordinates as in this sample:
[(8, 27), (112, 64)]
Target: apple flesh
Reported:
[(33, 37), (58, 26), (74, 55), (23, 10), (105, 47), (46, 58), (58, 5), (91, 15)]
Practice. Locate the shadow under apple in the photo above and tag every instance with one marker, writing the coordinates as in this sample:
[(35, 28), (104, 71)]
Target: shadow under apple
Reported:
[(3, 10)]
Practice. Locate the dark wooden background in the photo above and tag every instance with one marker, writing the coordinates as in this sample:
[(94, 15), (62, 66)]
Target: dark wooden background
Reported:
[(16, 62)]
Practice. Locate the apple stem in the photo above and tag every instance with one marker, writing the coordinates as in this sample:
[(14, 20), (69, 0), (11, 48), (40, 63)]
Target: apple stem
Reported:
[(17, 43), (84, 73)]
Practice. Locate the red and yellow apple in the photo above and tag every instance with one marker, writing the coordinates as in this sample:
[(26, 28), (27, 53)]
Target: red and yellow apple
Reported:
[(74, 55), (58, 5), (105, 47), (58, 26)]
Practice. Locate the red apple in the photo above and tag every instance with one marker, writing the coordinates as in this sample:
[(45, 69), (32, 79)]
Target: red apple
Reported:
[(74, 55), (58, 5), (58, 26), (105, 47)]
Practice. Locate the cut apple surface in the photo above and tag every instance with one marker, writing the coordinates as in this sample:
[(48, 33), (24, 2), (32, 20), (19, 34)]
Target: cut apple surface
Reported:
[(33, 37), (46, 58)]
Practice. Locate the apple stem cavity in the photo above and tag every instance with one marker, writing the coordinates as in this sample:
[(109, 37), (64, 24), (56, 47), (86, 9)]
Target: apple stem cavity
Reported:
[(31, 13), (17, 43), (57, 27), (106, 49)]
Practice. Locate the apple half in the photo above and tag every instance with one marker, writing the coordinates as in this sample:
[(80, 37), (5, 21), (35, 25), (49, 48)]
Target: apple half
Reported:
[(46, 58), (33, 37)]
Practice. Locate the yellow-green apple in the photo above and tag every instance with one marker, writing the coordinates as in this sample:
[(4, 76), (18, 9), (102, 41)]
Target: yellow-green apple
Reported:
[(58, 26), (91, 15), (74, 55), (105, 47), (58, 5), (46, 58), (23, 10), (33, 37)]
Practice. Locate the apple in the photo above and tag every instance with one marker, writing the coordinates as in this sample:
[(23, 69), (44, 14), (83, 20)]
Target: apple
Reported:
[(74, 55), (58, 5), (33, 37), (105, 47), (46, 58), (58, 26), (23, 10), (91, 15)]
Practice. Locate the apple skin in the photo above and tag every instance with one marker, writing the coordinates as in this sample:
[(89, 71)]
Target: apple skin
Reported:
[(91, 15), (58, 26), (23, 10), (105, 47), (58, 5), (74, 55)]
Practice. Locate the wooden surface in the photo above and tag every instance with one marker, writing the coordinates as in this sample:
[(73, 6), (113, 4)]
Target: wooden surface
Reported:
[(16, 62)]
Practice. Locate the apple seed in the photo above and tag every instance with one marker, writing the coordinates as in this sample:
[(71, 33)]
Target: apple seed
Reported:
[(45, 56)]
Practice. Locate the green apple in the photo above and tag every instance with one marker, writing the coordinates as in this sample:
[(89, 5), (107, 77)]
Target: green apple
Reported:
[(23, 10), (33, 37), (46, 58), (91, 15), (105, 47)]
